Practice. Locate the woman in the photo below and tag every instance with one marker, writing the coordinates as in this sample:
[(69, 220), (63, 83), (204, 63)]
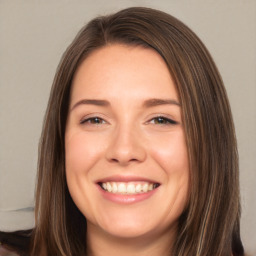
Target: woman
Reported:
[(138, 151)]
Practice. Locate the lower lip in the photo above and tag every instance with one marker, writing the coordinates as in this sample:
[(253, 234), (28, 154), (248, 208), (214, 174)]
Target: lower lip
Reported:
[(126, 199)]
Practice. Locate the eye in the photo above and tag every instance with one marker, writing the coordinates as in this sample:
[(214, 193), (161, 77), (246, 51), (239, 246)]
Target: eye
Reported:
[(162, 121), (93, 120)]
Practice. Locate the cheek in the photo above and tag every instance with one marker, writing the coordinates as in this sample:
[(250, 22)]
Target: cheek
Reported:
[(81, 152), (171, 153), (80, 159)]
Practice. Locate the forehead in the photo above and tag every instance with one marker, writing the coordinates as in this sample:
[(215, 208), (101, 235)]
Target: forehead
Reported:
[(115, 69)]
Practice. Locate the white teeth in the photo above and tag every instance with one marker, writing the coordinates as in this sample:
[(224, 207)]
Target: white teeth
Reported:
[(114, 187), (121, 188), (128, 188), (109, 187), (145, 187), (138, 188)]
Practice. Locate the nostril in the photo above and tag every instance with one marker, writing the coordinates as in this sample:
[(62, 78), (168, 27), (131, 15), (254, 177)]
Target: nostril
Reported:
[(123, 161), (125, 154), (114, 160)]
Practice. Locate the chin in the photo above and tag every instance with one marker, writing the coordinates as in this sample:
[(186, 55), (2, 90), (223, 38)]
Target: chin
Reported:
[(130, 225), (123, 230)]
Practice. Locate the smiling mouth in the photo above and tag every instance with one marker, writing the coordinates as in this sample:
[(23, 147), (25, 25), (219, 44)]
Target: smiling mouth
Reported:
[(128, 188)]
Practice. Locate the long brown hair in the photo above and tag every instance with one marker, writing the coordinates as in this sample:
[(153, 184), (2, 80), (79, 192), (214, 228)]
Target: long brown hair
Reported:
[(210, 223)]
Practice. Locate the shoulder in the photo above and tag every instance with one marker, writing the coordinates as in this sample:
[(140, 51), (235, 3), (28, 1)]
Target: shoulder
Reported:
[(17, 241), (5, 252)]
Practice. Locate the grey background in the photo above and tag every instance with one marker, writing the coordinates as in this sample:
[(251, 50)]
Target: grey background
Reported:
[(33, 36)]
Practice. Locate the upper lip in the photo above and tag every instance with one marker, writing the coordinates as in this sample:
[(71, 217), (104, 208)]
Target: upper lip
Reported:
[(125, 178)]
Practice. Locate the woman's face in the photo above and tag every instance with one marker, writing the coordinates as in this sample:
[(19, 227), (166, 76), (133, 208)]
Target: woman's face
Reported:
[(126, 158)]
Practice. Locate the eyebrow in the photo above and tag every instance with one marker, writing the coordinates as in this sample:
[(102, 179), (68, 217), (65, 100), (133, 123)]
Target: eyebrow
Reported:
[(148, 103), (102, 103), (156, 102)]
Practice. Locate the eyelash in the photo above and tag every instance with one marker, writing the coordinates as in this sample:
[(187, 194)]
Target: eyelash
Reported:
[(167, 121), (89, 120), (163, 120)]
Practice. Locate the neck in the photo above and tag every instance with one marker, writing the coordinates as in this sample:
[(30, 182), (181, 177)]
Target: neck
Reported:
[(101, 244)]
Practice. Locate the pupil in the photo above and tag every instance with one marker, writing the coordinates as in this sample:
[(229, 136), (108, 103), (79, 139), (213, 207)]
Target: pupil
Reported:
[(160, 120), (96, 120)]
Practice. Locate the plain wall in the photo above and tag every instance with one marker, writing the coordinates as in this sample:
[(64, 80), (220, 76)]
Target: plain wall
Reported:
[(33, 36)]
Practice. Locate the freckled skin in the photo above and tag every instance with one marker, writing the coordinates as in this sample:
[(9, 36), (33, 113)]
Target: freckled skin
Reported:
[(126, 140)]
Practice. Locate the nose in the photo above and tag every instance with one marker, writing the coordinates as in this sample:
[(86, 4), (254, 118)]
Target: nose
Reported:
[(126, 146)]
